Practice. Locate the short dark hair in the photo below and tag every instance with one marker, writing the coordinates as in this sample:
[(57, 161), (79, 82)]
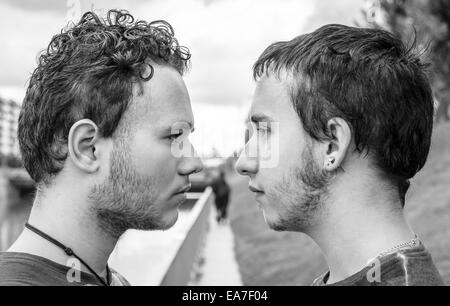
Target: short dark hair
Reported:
[(88, 71), (369, 78)]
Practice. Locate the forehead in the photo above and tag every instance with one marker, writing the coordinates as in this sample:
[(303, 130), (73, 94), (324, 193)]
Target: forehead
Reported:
[(272, 99), (165, 99)]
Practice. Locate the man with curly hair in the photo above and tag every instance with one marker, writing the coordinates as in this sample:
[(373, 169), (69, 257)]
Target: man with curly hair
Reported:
[(102, 113), (354, 114)]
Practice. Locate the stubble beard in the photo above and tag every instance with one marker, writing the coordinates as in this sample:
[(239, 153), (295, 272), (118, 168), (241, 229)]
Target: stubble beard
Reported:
[(301, 195), (126, 200)]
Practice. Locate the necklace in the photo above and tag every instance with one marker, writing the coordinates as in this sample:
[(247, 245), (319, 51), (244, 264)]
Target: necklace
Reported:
[(69, 252), (409, 244)]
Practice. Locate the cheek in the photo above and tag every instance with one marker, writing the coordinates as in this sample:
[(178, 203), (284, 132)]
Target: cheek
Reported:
[(289, 149), (106, 151), (152, 158)]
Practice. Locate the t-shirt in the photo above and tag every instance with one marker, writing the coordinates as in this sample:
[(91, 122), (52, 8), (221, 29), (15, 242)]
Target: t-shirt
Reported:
[(22, 269), (407, 267)]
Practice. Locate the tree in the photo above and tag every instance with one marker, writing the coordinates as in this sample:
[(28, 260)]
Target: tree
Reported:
[(440, 9)]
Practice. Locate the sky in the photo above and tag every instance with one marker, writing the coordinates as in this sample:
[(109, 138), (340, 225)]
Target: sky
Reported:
[(225, 38)]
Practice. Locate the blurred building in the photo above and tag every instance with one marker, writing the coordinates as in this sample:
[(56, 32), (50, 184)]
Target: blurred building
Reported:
[(9, 116)]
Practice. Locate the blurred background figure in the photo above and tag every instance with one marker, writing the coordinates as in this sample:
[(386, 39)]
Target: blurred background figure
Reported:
[(222, 193)]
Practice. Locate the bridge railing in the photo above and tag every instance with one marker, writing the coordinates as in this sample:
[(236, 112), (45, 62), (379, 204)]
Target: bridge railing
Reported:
[(179, 273)]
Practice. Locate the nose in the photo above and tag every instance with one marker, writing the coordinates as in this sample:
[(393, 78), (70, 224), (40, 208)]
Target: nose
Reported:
[(190, 165), (247, 165)]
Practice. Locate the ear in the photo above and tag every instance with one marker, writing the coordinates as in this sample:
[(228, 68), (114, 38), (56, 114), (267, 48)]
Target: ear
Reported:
[(338, 146), (83, 136)]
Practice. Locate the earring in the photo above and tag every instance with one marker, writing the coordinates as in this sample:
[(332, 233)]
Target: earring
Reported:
[(330, 161)]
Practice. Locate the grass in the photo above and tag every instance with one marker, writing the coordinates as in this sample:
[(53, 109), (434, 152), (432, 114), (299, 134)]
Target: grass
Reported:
[(266, 257)]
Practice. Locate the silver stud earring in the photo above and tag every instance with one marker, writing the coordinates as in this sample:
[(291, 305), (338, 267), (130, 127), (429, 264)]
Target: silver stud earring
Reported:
[(330, 161)]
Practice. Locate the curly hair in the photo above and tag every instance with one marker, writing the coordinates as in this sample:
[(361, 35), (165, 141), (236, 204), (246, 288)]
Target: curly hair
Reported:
[(88, 71), (369, 78)]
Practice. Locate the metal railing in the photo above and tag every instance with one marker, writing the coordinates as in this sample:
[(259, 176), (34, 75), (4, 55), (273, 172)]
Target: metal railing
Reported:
[(180, 270)]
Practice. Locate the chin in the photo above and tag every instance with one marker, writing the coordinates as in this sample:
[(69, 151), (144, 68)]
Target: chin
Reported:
[(276, 226), (272, 220), (169, 219), (280, 223)]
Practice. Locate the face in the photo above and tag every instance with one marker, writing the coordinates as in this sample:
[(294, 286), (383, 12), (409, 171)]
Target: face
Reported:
[(290, 192), (146, 181)]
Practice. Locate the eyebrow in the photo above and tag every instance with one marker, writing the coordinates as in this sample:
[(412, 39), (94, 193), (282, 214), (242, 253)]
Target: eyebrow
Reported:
[(261, 118)]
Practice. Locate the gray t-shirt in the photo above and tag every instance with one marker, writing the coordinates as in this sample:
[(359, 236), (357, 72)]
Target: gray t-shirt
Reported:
[(407, 267), (22, 269)]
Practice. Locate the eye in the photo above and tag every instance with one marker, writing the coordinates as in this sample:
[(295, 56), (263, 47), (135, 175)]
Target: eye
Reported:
[(175, 135), (262, 128)]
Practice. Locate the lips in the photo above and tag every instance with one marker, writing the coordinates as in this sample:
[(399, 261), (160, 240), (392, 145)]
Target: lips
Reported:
[(184, 189), (255, 190)]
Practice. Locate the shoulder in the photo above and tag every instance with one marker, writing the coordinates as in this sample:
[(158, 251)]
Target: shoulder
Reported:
[(411, 267), (22, 269), (321, 280), (118, 279)]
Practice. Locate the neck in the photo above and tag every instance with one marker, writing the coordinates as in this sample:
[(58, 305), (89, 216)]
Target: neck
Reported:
[(358, 226), (69, 222)]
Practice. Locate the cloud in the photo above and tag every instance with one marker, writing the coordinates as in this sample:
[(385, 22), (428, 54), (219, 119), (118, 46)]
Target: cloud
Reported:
[(346, 12), (24, 35), (37, 6), (61, 6)]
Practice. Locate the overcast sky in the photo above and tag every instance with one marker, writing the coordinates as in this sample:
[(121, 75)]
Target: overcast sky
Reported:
[(224, 36)]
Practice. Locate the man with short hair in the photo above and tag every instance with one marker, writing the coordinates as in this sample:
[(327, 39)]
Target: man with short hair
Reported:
[(353, 112), (102, 113)]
